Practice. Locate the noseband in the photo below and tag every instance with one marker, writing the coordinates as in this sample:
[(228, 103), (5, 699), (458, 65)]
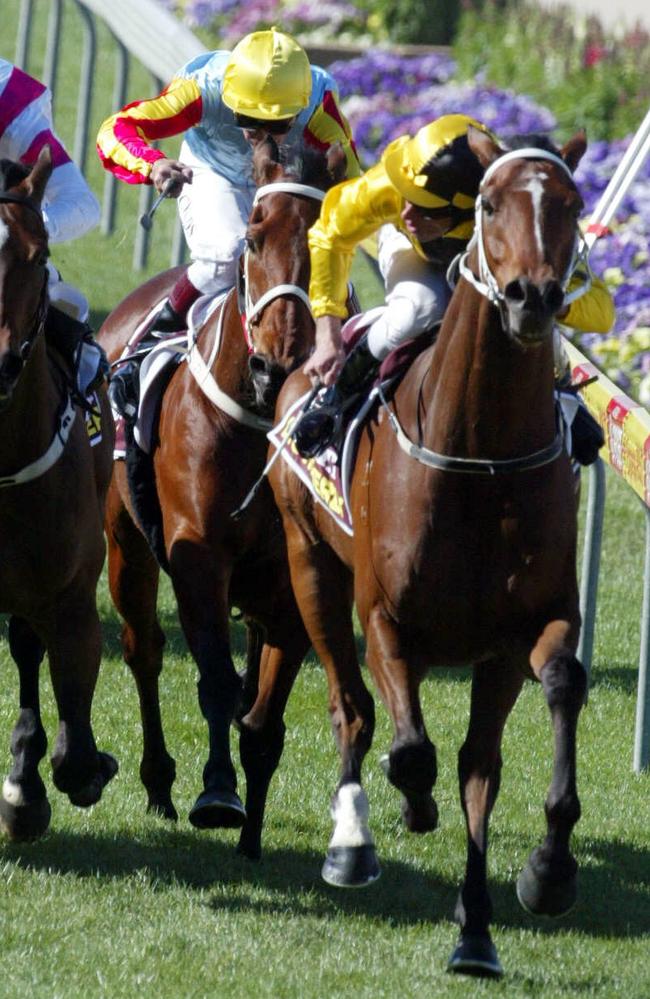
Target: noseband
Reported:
[(249, 309), (486, 283)]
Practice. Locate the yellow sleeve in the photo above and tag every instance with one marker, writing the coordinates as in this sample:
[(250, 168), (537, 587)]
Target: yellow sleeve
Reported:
[(328, 125), (594, 311), (350, 212)]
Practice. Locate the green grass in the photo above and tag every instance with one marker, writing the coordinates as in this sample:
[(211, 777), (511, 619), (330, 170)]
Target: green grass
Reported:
[(113, 903)]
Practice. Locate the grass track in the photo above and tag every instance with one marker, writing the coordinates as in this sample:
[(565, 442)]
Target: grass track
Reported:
[(113, 903)]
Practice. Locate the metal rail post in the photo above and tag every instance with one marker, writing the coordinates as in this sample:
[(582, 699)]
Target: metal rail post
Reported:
[(85, 87), (641, 759), (24, 33), (591, 562)]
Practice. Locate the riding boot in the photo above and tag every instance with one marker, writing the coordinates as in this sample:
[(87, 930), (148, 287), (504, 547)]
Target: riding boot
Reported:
[(320, 426), (70, 337), (124, 388), (587, 436)]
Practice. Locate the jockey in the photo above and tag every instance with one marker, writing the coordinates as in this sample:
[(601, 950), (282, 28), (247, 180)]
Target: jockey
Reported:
[(420, 198), (70, 209), (225, 102)]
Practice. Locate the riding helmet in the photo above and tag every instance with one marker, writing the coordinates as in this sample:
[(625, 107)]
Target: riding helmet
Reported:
[(268, 76)]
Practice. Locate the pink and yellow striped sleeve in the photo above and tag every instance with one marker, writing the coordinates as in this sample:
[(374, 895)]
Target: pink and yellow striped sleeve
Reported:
[(122, 139), (328, 125)]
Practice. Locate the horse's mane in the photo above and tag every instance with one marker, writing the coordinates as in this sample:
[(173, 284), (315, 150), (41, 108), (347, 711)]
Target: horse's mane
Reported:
[(11, 174), (531, 140), (304, 164)]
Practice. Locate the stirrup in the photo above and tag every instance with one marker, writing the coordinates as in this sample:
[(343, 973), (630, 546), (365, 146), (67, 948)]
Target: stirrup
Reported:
[(317, 429)]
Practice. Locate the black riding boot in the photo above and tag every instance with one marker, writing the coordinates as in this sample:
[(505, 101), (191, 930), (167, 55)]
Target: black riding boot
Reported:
[(320, 425), (68, 335), (124, 388)]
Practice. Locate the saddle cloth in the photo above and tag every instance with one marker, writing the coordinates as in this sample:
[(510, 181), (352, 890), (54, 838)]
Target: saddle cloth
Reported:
[(157, 368)]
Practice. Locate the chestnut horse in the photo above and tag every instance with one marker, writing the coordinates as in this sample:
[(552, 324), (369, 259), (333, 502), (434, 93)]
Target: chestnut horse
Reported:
[(212, 447), (464, 546), (52, 493)]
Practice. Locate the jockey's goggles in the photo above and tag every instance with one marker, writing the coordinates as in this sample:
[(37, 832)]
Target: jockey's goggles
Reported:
[(279, 126)]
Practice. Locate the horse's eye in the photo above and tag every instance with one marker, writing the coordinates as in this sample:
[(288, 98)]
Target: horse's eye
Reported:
[(487, 207)]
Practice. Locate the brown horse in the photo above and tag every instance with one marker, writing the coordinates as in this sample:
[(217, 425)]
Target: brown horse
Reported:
[(52, 493), (464, 546), (212, 447)]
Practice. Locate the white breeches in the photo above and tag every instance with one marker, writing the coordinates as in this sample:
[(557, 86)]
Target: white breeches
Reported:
[(66, 297), (416, 293), (214, 214)]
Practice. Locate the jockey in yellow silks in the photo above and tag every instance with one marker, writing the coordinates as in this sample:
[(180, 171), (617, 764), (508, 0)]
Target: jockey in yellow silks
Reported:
[(419, 199)]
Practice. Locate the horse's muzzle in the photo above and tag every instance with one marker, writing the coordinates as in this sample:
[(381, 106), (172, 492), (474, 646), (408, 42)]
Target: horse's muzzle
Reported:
[(268, 378), (531, 309)]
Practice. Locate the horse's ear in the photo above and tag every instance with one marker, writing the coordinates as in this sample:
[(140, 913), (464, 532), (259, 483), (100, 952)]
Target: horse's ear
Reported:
[(574, 149), (37, 178), (337, 163), (483, 146), (266, 155)]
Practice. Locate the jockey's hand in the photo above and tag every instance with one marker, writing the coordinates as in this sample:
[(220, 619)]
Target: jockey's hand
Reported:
[(326, 362), (164, 170)]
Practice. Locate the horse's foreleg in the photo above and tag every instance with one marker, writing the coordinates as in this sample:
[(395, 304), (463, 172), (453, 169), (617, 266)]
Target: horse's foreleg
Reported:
[(133, 580), (548, 883), (323, 588), (495, 688), (24, 808), (262, 728), (411, 762)]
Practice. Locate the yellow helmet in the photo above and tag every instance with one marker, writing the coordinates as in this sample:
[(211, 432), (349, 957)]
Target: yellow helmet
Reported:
[(458, 175), (268, 76)]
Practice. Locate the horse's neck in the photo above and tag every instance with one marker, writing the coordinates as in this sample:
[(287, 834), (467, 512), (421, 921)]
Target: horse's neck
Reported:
[(28, 422), (231, 363), (492, 398)]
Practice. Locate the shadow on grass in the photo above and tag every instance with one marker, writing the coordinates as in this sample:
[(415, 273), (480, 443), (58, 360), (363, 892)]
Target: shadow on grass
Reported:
[(613, 894)]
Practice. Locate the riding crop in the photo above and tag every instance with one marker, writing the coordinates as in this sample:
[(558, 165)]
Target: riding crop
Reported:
[(146, 220)]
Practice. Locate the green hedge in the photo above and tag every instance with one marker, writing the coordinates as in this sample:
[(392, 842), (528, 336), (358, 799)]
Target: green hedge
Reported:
[(588, 78)]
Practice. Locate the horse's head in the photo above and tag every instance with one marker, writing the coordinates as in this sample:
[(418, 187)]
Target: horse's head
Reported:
[(275, 267), (23, 258), (527, 234)]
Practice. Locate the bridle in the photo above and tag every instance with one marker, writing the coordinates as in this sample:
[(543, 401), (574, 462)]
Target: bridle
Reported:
[(485, 283), (250, 310), (201, 369)]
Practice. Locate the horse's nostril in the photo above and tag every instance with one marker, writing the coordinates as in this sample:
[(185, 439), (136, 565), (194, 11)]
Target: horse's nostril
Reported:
[(257, 364), (515, 291)]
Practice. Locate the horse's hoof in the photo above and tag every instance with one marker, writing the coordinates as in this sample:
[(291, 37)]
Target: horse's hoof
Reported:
[(476, 955), (218, 810), (92, 792), (162, 807), (540, 897), (351, 866), (420, 813), (24, 822)]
